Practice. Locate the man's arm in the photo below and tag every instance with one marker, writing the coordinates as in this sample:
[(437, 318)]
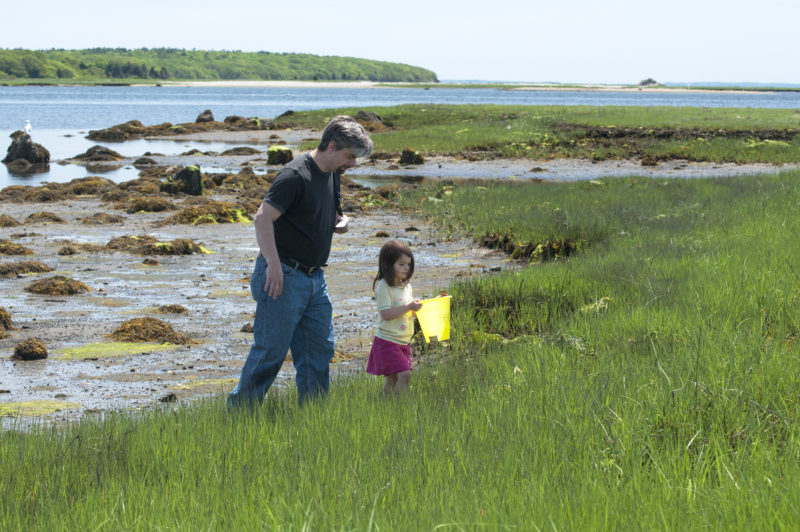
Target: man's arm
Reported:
[(265, 236)]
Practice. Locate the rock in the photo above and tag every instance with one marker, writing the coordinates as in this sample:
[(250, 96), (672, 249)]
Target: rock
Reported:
[(23, 147), (32, 349), (368, 116), (371, 121), (120, 132), (242, 150), (205, 116), (169, 398), (279, 155), (246, 328), (144, 161), (649, 160), (99, 153), (188, 180), (234, 120), (19, 166), (410, 156)]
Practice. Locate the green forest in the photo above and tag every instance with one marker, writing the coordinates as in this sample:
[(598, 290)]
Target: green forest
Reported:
[(155, 64)]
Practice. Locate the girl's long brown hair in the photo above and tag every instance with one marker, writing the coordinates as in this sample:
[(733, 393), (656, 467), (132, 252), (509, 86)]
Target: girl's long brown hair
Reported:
[(391, 253)]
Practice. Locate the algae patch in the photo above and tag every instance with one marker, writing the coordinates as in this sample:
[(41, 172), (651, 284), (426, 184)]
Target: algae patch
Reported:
[(205, 383), (34, 408), (111, 349)]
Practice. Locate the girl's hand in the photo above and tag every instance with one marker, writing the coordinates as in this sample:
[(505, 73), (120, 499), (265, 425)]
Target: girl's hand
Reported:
[(415, 305)]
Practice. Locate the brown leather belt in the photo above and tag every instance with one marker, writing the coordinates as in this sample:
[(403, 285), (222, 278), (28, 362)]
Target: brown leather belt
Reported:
[(308, 270)]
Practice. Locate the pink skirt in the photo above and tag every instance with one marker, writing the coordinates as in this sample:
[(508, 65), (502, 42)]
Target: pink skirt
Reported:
[(388, 358)]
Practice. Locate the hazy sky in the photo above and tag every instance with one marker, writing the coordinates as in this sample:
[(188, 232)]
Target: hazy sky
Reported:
[(613, 41)]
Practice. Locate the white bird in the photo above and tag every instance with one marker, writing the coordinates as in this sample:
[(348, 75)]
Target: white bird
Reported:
[(28, 127)]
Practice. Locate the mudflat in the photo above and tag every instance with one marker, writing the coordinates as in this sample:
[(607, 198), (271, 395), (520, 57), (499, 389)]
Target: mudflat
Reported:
[(87, 372)]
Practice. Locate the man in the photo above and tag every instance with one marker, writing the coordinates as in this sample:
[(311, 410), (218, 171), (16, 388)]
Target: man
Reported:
[(294, 228)]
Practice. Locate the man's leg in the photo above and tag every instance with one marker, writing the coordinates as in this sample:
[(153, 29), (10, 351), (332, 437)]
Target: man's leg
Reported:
[(312, 344), (272, 330)]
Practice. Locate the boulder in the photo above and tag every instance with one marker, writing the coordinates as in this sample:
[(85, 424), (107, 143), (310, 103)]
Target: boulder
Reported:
[(410, 156), (279, 155), (371, 121), (242, 150), (120, 132), (23, 147), (144, 161), (99, 153), (234, 120), (205, 116), (188, 180)]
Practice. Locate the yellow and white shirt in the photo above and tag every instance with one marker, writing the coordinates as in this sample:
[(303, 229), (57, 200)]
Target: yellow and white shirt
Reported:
[(399, 330)]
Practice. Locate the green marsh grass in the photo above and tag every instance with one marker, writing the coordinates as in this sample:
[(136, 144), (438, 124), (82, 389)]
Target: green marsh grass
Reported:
[(598, 133), (647, 381)]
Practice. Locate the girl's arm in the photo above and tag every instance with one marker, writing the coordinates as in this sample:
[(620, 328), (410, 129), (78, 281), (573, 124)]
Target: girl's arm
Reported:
[(395, 312)]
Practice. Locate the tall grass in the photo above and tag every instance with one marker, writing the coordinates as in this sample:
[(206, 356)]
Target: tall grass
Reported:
[(648, 381)]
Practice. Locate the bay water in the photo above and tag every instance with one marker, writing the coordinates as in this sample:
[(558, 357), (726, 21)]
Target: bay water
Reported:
[(61, 117)]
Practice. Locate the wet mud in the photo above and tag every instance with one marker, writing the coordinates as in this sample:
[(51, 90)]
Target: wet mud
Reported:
[(203, 296)]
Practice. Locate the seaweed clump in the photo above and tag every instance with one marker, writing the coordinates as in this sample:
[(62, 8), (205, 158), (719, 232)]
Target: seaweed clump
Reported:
[(555, 249), (212, 212), (146, 204), (179, 246), (148, 330), (58, 285), (32, 349), (7, 221), (11, 269), (5, 322), (172, 309), (148, 245), (44, 217), (102, 218), (8, 247)]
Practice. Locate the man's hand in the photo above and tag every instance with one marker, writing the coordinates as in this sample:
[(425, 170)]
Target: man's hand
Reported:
[(342, 224), (274, 285)]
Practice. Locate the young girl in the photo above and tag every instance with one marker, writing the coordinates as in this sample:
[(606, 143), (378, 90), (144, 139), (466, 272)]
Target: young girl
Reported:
[(391, 353)]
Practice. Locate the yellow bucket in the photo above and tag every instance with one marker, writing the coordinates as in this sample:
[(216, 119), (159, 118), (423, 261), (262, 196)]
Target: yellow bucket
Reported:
[(434, 318)]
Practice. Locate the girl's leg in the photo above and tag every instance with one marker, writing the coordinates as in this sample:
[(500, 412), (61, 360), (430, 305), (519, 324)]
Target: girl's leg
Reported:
[(390, 383), (403, 380)]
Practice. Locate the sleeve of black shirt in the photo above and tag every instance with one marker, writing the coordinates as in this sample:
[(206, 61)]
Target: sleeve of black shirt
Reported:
[(284, 190)]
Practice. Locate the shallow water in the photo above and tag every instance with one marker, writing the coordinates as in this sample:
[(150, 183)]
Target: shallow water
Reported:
[(56, 112)]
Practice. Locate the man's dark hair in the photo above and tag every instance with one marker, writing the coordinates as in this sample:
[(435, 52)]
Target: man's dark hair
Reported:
[(346, 133)]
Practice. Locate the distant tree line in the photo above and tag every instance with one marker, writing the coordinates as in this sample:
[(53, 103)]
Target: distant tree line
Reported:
[(178, 64)]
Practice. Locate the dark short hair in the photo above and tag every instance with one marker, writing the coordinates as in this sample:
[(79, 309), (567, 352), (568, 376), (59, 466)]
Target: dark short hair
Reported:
[(391, 253), (345, 132)]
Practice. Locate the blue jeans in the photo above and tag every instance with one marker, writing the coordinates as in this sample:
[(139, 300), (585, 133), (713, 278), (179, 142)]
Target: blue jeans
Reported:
[(301, 318)]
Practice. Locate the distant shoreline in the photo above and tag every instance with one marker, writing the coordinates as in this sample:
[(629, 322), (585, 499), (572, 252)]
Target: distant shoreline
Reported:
[(289, 84), (510, 86), (384, 85)]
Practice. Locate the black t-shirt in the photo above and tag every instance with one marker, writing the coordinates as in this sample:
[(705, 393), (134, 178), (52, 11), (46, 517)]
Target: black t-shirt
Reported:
[(308, 200)]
